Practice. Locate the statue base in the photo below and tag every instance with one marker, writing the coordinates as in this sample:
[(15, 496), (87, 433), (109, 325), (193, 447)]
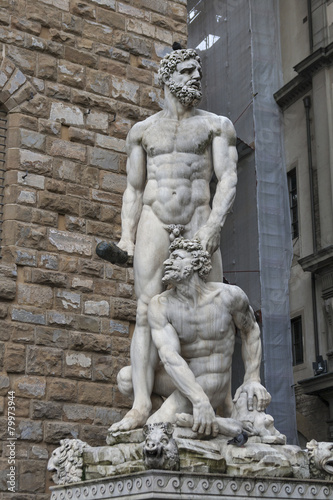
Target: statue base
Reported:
[(179, 485)]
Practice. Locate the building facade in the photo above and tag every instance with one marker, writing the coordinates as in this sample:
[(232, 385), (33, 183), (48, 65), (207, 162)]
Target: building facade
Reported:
[(306, 102)]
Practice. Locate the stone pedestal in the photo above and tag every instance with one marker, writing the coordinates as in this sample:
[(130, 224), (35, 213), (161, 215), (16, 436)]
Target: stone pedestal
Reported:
[(165, 485)]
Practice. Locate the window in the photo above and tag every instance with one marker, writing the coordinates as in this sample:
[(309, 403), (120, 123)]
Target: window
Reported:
[(297, 340), (3, 133), (292, 186)]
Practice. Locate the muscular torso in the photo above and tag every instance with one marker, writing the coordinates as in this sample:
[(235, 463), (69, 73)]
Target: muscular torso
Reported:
[(179, 166), (206, 332)]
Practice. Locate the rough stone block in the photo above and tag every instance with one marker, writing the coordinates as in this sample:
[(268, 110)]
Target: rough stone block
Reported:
[(58, 203), (44, 361), (68, 300), (71, 74), (47, 67), (97, 31), (81, 135), (134, 12), (30, 387), (94, 268), (39, 452), (48, 261), (25, 59), (24, 334), (98, 82), (124, 309), (151, 98), (125, 90), (34, 163), (30, 431), (139, 75), (32, 180), (140, 27), (49, 127), (104, 368), (102, 230), (39, 296), (84, 58), (71, 242), (103, 287), (32, 476), (55, 431), (25, 235), (7, 289), (46, 409), (97, 121), (87, 324), (70, 115), (104, 197), (79, 341), (121, 345), (83, 284), (94, 393), (109, 4), (83, 9), (89, 209), (125, 290), (106, 416), (14, 358), (107, 142), (78, 364), (113, 182), (50, 278), (110, 214), (25, 316), (133, 44), (4, 384), (93, 434), (104, 159), (59, 319), (67, 149), (66, 170), (112, 67), (27, 197), (79, 413), (52, 337), (90, 100), (58, 91), (62, 390)]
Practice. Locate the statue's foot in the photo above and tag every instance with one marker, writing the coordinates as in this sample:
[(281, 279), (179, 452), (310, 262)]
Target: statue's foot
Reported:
[(112, 253), (132, 420), (184, 420)]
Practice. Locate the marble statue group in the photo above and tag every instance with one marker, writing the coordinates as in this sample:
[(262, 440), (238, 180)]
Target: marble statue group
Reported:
[(187, 318), (184, 337)]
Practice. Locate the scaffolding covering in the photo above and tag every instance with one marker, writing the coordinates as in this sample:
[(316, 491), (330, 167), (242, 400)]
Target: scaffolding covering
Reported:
[(238, 41)]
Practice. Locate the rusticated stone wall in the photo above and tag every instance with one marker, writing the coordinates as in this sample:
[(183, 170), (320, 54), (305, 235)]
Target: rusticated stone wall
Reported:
[(74, 77)]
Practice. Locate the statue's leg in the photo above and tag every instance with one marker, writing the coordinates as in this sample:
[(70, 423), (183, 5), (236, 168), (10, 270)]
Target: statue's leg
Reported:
[(151, 250), (176, 403)]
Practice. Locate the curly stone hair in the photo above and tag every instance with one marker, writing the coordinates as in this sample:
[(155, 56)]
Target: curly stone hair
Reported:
[(169, 63), (199, 256)]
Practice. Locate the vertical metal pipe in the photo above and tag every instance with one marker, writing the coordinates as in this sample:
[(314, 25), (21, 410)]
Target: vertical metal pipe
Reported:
[(310, 26), (307, 105)]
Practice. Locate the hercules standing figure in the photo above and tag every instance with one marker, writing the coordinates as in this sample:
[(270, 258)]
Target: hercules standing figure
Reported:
[(172, 156)]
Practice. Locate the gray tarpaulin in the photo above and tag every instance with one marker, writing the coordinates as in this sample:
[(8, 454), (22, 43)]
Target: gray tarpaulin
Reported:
[(238, 41)]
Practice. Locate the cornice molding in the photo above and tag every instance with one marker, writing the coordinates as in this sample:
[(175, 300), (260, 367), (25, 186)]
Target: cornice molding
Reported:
[(302, 83)]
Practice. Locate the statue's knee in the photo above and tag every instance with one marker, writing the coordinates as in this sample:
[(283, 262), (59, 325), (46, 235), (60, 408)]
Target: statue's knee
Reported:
[(124, 381)]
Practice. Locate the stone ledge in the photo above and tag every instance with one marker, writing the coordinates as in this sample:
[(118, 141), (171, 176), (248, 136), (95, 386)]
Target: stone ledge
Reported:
[(177, 486)]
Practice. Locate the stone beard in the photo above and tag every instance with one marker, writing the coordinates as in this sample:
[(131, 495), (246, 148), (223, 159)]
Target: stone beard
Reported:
[(189, 94)]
